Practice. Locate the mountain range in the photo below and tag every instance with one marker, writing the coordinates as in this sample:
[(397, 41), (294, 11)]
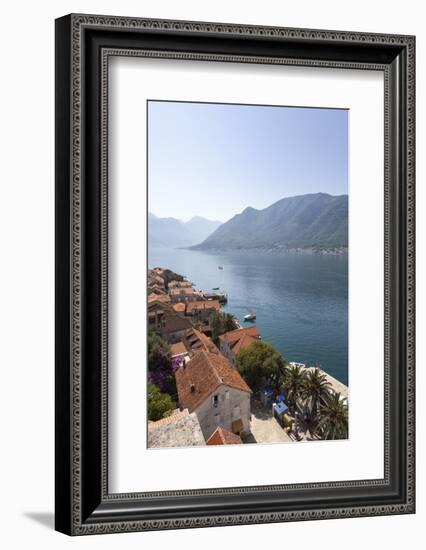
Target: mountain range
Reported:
[(306, 221), (174, 233)]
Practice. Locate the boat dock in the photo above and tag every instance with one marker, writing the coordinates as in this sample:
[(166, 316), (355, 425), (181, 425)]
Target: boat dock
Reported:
[(222, 297)]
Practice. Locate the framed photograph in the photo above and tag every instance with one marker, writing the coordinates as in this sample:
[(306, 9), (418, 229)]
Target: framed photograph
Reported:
[(234, 274)]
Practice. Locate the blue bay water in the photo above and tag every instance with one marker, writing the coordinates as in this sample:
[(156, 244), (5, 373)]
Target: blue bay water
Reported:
[(301, 299)]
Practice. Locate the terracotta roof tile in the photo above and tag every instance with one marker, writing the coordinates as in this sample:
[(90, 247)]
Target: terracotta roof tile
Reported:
[(159, 298), (178, 349), (182, 291), (206, 304), (223, 437), (175, 323), (180, 284), (240, 338), (194, 340), (243, 343), (202, 375), (206, 342), (157, 288), (156, 305), (238, 333)]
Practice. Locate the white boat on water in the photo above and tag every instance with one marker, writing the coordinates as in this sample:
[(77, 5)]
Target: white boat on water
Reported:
[(250, 316)]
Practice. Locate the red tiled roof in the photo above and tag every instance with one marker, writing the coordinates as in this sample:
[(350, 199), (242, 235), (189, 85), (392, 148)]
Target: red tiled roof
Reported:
[(155, 287), (154, 279), (179, 307), (181, 291), (240, 338), (207, 343), (175, 323), (206, 304), (222, 437), (202, 375), (156, 305), (159, 298), (179, 284), (235, 335), (178, 349), (194, 340), (243, 343)]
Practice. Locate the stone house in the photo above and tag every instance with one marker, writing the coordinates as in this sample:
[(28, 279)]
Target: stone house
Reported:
[(185, 295), (211, 387), (162, 317), (178, 430)]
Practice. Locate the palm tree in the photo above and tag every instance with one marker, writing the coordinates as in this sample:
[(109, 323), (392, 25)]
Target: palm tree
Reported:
[(277, 366), (316, 389), (333, 422), (306, 420), (294, 382)]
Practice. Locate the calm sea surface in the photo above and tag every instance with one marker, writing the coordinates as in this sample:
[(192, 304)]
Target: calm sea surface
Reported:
[(301, 299)]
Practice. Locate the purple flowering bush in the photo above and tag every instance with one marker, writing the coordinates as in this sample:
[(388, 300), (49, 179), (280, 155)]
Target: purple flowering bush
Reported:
[(160, 365)]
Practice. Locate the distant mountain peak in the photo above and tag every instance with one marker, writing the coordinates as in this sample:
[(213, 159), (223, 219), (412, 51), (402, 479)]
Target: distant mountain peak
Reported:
[(249, 210), (203, 220), (174, 233), (312, 220)]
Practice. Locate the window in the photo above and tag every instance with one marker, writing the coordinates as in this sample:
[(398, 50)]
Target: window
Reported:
[(236, 413), (215, 400), (217, 419), (227, 395)]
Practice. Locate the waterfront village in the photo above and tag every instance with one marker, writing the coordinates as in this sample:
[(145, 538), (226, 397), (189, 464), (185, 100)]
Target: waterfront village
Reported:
[(213, 382)]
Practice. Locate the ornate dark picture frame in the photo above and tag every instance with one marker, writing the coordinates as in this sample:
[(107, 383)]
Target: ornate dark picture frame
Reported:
[(84, 44)]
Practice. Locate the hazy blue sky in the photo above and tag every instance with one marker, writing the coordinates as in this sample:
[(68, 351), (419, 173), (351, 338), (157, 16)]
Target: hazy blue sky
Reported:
[(214, 160)]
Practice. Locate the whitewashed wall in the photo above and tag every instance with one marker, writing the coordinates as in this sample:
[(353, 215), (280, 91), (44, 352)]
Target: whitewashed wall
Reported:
[(236, 398)]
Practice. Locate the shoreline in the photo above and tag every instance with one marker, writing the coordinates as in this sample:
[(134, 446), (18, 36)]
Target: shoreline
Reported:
[(227, 308), (323, 251), (336, 385)]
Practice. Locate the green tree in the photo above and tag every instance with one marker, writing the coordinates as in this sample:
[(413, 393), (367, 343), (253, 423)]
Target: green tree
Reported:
[(229, 322), (316, 389), (294, 383), (260, 363), (199, 325), (160, 404), (157, 346), (215, 327), (307, 420), (221, 322), (333, 423)]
